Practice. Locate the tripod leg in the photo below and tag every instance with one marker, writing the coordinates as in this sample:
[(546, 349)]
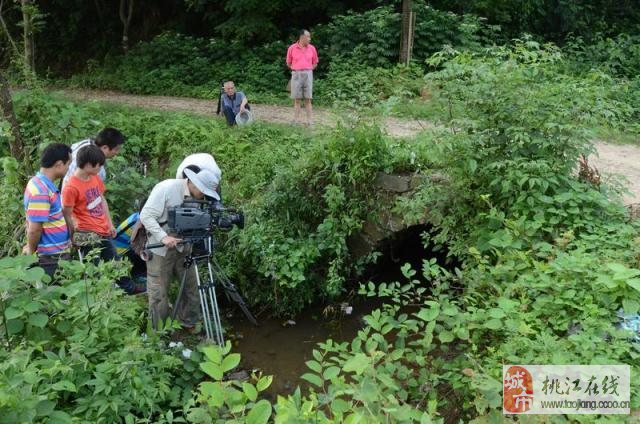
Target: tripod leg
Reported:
[(180, 293), (206, 317), (232, 292), (211, 291), (210, 297)]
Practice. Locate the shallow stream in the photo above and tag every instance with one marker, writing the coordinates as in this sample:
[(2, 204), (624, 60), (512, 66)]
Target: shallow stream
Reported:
[(281, 348)]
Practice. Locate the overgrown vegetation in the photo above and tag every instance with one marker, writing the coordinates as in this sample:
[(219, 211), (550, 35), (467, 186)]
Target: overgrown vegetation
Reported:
[(176, 64)]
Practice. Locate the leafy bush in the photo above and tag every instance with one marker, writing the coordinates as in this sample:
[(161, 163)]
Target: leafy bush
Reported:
[(351, 47), (299, 210), (75, 350), (618, 56), (547, 260), (348, 85), (227, 400), (517, 140), (302, 220), (11, 209), (176, 64), (372, 38), (556, 304)]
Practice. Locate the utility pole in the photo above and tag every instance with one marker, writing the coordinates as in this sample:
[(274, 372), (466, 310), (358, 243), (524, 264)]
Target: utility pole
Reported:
[(408, 29)]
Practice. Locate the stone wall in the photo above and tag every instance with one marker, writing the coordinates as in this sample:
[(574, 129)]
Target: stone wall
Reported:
[(384, 222)]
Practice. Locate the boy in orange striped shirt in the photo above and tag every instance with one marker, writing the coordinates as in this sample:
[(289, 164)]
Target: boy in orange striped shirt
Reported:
[(85, 205)]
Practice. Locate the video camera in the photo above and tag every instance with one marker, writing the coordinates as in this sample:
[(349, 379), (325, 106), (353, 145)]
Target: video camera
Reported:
[(198, 218)]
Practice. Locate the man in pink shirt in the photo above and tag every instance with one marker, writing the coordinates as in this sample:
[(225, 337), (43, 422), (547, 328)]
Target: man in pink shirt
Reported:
[(302, 59)]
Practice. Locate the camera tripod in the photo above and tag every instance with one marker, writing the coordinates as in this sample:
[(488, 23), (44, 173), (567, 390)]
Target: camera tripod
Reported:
[(207, 290)]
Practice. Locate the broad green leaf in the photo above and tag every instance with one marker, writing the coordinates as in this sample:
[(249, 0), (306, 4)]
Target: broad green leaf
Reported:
[(473, 165), (630, 306), (38, 320), (13, 313), (317, 355), (354, 418), (340, 406), (314, 366), (429, 314), (358, 363), (213, 370), (496, 313), (33, 274), (388, 381), (313, 379), (44, 408), (195, 415), (446, 337), (230, 362), (260, 413), (214, 393), (64, 385), (250, 391), (31, 307), (330, 373), (60, 417), (212, 353), (450, 311), (264, 382), (493, 324), (621, 272), (14, 326), (507, 304), (31, 377), (634, 283), (462, 333)]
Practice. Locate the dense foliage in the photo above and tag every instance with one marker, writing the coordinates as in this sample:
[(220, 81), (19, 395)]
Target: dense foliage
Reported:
[(300, 211), (548, 259), (76, 350), (65, 39), (176, 64)]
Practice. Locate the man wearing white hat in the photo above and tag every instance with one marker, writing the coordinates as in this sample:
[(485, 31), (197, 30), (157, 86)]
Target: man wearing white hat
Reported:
[(168, 261), (201, 161)]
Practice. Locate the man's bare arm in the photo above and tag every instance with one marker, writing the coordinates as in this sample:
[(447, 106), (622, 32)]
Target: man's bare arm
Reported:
[(34, 231)]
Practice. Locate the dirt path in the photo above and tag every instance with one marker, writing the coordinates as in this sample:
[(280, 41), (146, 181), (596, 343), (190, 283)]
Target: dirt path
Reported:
[(620, 160), (612, 159)]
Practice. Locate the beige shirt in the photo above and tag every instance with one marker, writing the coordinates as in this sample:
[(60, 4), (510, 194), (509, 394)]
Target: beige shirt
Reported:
[(165, 194)]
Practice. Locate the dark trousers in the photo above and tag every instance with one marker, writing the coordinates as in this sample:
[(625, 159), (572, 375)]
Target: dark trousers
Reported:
[(107, 249), (49, 263), (230, 115), (138, 272)]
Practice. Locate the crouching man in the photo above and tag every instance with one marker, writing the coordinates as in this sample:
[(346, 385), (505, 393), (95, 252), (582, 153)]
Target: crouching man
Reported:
[(168, 261)]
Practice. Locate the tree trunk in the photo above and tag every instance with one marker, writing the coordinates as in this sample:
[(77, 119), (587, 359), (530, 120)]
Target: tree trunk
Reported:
[(6, 32), (126, 12), (99, 4), (29, 45), (408, 28), (16, 145)]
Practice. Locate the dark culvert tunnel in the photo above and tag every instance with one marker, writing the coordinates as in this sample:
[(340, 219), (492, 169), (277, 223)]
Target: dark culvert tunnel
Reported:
[(411, 245)]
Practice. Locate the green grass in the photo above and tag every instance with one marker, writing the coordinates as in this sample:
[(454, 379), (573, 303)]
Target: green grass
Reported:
[(615, 136)]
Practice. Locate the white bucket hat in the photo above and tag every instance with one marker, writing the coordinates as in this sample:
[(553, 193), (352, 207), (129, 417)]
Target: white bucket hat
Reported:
[(243, 118), (205, 180)]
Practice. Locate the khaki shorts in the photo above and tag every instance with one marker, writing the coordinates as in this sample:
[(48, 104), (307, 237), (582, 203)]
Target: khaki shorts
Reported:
[(301, 84)]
